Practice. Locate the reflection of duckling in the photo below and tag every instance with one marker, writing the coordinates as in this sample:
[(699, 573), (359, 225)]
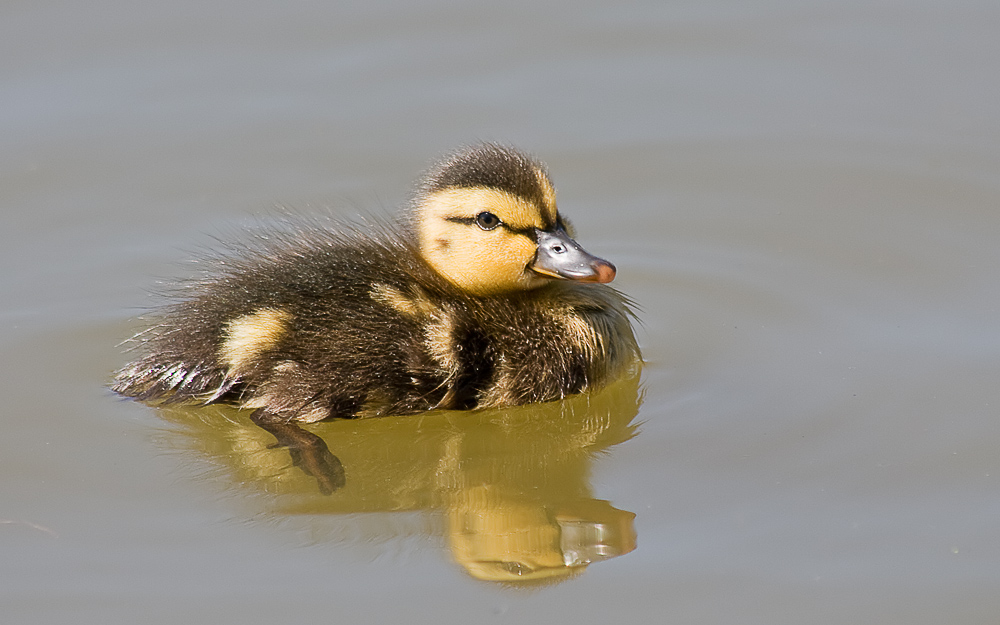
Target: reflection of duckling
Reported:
[(479, 302), (523, 543), (508, 489)]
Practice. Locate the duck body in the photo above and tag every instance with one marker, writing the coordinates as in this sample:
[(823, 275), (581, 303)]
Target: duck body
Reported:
[(463, 304)]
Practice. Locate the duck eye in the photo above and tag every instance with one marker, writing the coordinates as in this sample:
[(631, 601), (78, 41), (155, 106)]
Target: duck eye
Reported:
[(487, 220)]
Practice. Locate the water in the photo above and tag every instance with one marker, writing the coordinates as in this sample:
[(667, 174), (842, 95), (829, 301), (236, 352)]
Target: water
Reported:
[(802, 197)]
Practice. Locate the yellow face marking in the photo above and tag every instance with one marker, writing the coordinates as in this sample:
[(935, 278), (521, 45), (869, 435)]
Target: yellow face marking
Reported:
[(481, 262), (251, 335), (470, 201)]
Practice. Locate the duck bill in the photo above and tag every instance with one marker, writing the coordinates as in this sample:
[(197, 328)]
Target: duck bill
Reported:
[(562, 258)]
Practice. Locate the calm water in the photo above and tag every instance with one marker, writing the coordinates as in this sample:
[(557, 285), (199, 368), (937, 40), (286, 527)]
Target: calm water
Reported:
[(803, 197)]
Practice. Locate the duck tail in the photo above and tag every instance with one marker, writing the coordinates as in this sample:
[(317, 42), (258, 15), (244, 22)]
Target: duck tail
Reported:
[(153, 380)]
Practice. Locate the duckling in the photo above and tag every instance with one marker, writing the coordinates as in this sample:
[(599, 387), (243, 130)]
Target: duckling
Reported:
[(477, 297)]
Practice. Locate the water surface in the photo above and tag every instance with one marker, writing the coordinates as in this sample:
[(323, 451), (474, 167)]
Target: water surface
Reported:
[(801, 196)]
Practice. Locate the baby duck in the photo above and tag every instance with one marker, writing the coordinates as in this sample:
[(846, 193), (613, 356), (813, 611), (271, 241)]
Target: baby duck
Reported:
[(479, 297)]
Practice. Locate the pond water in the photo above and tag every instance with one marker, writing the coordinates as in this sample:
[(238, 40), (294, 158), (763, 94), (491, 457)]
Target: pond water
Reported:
[(802, 197)]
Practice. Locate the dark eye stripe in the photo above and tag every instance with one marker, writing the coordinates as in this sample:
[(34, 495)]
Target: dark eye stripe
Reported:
[(467, 221), (472, 221)]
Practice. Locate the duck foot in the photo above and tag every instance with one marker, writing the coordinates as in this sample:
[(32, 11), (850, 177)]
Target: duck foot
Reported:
[(309, 452)]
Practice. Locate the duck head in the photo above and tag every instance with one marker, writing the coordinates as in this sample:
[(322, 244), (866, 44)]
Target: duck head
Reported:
[(486, 220)]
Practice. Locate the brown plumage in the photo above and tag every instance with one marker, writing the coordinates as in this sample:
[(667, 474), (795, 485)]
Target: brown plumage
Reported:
[(477, 298)]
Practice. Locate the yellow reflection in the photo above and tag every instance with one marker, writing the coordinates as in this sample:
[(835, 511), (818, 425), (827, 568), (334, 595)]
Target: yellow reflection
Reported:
[(511, 486)]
